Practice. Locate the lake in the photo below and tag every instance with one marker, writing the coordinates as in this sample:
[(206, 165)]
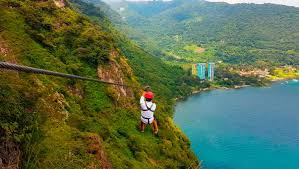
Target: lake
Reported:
[(249, 128)]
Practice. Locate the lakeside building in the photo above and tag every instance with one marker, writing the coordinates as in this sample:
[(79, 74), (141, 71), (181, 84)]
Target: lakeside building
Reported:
[(201, 71), (211, 71), (194, 70)]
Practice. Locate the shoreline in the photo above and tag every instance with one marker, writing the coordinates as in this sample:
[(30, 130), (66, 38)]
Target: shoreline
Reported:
[(194, 92), (284, 79)]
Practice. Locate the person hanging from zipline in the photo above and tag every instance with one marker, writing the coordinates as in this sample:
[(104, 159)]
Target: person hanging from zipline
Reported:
[(147, 111)]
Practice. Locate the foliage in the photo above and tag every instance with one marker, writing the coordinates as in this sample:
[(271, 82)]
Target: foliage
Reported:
[(52, 118), (236, 34), (286, 72)]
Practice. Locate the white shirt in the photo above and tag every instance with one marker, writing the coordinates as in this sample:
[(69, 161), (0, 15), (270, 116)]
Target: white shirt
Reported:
[(145, 105)]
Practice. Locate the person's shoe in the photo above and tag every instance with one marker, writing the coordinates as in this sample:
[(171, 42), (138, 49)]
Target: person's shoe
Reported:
[(156, 132), (142, 131)]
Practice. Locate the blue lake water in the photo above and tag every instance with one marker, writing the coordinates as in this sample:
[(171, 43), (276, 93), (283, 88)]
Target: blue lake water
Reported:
[(250, 128)]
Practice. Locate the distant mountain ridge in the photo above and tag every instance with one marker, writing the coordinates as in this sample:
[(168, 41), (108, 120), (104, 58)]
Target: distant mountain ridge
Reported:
[(240, 33)]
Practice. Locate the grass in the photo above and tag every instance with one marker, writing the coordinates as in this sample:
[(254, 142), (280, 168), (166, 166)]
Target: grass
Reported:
[(52, 118), (194, 48)]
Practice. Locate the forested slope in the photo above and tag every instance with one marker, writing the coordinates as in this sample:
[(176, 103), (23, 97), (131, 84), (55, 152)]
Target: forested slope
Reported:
[(238, 34), (50, 122)]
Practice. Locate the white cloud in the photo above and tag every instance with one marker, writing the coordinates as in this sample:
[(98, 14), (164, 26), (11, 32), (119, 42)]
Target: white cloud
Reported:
[(283, 2)]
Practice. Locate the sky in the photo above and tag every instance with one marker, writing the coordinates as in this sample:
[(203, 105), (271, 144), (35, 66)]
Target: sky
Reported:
[(283, 2)]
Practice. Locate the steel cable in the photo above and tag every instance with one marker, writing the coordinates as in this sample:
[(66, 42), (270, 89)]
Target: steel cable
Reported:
[(26, 69)]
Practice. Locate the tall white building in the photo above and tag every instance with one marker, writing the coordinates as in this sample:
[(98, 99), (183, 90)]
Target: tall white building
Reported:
[(211, 71)]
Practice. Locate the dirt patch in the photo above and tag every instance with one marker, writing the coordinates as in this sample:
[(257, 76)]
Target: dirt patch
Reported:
[(10, 155), (96, 148), (200, 50), (76, 91), (59, 3), (3, 50), (256, 72), (6, 52), (195, 48)]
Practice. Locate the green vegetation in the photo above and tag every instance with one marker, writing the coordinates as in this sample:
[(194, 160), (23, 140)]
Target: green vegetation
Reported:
[(62, 123), (194, 48), (284, 73), (242, 34), (52, 122)]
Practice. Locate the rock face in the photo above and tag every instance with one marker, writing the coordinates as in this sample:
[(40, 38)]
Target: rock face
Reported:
[(114, 73), (96, 148)]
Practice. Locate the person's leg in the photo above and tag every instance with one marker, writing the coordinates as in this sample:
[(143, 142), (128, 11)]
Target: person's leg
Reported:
[(155, 126), (142, 126)]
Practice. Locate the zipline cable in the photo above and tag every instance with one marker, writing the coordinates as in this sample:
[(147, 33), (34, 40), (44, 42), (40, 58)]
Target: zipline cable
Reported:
[(26, 69)]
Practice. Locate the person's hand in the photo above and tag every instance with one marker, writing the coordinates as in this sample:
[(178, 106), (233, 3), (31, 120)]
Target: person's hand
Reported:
[(147, 88)]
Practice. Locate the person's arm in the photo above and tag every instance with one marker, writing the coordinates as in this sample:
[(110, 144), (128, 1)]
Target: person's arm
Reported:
[(142, 103), (142, 100)]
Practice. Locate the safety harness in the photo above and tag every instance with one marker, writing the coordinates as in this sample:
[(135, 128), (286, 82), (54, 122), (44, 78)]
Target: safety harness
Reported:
[(148, 109)]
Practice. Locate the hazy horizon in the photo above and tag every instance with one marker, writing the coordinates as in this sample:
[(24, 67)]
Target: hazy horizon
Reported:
[(281, 2)]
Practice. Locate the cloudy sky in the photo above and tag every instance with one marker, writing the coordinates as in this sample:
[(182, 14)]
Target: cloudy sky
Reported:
[(284, 2)]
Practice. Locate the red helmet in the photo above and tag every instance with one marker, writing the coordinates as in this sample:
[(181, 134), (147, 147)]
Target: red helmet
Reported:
[(149, 95)]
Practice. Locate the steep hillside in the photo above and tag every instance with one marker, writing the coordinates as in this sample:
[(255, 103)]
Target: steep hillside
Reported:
[(240, 34), (50, 122)]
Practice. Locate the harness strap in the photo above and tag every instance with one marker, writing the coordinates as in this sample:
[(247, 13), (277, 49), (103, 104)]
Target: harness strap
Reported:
[(148, 119), (148, 108)]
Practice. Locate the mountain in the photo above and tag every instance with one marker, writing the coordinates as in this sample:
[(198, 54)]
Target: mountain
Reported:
[(51, 122), (194, 30)]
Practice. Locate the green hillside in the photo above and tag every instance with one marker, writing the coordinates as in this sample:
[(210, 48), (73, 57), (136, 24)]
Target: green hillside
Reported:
[(238, 34), (51, 122), (226, 74)]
